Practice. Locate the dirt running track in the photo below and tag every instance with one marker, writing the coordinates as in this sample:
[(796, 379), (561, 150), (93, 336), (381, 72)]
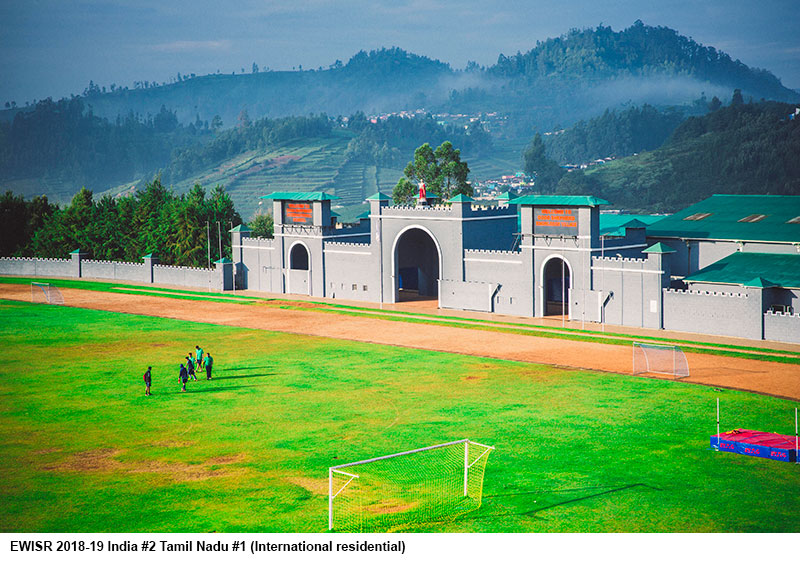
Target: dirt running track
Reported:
[(772, 378)]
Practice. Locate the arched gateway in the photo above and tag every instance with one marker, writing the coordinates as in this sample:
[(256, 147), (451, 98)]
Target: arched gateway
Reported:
[(417, 265)]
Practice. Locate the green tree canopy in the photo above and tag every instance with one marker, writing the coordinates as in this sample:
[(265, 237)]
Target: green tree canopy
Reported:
[(262, 226), (441, 170), (545, 171)]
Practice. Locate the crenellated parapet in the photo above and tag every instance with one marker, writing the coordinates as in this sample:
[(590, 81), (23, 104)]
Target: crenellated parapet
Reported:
[(693, 292)]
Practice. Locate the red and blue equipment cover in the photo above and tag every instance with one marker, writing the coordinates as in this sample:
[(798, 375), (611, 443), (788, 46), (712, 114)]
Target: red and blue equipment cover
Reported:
[(757, 444)]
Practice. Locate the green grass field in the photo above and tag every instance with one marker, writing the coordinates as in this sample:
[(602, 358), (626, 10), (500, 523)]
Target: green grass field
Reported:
[(82, 449)]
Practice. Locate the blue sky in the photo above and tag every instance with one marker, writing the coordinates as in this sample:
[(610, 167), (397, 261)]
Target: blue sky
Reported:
[(55, 47)]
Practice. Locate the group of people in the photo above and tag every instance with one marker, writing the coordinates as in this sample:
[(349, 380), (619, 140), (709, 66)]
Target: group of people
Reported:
[(194, 361)]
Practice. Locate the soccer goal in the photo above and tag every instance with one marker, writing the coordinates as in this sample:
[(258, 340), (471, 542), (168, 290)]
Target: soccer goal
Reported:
[(46, 293), (659, 359), (385, 493)]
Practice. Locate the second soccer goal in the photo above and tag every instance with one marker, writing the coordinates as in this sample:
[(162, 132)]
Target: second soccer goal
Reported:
[(659, 359), (386, 493)]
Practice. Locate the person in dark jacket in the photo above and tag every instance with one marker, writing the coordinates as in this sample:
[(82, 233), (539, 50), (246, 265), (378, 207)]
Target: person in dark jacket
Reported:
[(183, 377), (147, 381), (190, 367)]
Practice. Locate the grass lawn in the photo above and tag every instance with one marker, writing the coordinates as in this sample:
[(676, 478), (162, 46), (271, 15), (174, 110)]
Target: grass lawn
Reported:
[(82, 449)]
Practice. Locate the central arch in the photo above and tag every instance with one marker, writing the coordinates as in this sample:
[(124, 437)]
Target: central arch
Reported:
[(556, 281), (417, 264)]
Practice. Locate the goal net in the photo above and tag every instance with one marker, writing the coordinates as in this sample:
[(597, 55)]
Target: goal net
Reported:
[(46, 293), (386, 493), (659, 359)]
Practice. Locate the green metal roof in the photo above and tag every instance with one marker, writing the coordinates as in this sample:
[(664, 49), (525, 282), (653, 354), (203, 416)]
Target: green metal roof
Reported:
[(507, 196), (364, 215), (559, 200), (658, 248), (240, 228), (613, 224), (379, 197), (745, 268), (297, 196), (460, 198), (719, 217)]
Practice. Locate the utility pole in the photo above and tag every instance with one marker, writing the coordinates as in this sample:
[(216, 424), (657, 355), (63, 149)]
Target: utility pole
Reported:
[(219, 237), (208, 244)]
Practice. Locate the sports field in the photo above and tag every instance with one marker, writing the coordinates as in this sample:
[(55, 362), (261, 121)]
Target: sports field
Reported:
[(82, 449)]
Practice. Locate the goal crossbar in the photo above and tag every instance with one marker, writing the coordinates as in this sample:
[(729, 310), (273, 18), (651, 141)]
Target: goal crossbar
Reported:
[(365, 461)]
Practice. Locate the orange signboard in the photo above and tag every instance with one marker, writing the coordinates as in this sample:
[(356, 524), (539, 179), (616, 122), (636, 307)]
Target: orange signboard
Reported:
[(297, 213), (555, 221)]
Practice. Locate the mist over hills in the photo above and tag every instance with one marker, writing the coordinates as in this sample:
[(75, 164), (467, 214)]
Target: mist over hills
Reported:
[(559, 81), (112, 140)]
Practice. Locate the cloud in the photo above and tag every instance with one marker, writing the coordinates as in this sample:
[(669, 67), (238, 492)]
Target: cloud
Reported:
[(187, 46)]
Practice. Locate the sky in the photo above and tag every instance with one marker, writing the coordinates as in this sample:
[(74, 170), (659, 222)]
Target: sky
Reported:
[(55, 47)]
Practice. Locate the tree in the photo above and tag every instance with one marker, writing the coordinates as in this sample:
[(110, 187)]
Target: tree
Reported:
[(545, 171), (262, 226), (441, 170), (403, 193), (216, 123), (714, 105), (737, 99)]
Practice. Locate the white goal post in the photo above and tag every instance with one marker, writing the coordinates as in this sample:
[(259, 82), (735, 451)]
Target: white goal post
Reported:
[(669, 360), (430, 483), (43, 292)]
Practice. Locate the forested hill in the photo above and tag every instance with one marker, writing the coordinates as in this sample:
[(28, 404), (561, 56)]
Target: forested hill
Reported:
[(636, 51), (559, 81), (738, 149), (370, 81)]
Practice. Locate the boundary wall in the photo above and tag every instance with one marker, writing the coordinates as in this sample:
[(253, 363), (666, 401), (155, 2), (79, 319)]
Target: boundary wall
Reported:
[(219, 278)]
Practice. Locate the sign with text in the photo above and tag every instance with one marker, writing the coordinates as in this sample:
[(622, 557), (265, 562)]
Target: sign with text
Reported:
[(297, 213), (557, 221)]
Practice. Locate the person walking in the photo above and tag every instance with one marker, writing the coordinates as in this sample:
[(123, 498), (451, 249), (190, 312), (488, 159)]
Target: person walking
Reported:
[(190, 367), (209, 362), (147, 381), (198, 358), (183, 377)]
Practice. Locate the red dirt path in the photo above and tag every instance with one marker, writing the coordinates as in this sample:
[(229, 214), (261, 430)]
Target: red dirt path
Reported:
[(771, 378)]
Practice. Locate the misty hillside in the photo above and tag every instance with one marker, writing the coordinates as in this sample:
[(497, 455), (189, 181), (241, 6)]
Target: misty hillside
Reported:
[(558, 82), (738, 149)]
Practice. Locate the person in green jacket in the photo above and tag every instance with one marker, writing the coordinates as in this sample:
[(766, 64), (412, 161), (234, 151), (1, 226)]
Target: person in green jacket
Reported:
[(198, 358), (209, 362)]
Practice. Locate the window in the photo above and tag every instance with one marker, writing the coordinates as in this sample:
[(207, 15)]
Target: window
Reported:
[(698, 216), (753, 218), (355, 287), (365, 288)]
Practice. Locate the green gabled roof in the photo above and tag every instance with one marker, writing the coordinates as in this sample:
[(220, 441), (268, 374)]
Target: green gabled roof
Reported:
[(379, 197), (759, 282), (613, 224), (223, 260), (507, 196), (151, 255), (364, 215), (560, 200), (635, 223), (725, 213), (240, 228), (297, 196), (746, 268), (460, 198), (658, 248)]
